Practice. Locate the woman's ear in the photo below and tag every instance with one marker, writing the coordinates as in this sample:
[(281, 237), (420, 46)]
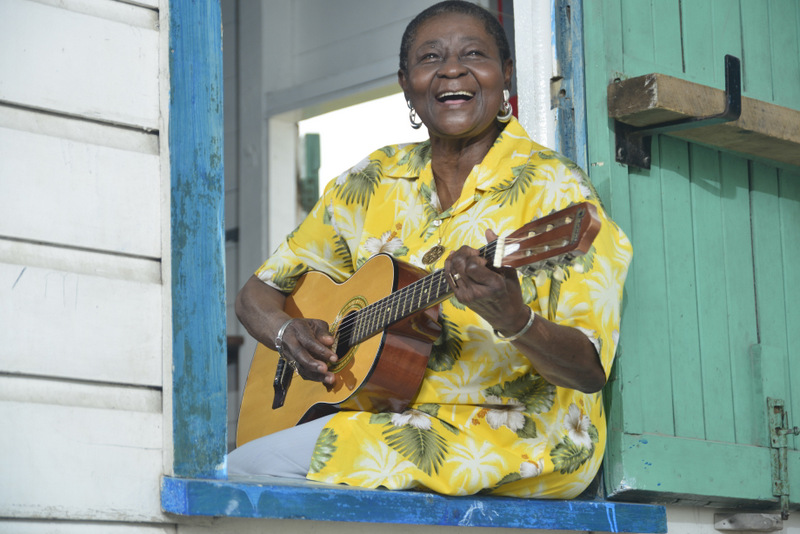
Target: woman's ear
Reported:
[(508, 70), (401, 79)]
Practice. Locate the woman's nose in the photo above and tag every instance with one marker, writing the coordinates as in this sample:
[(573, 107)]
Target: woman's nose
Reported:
[(452, 67)]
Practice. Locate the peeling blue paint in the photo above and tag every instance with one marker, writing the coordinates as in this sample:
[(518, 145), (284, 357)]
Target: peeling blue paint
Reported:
[(197, 235), (289, 499), (570, 103)]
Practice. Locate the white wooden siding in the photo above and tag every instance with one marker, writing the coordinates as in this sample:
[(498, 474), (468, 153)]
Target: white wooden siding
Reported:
[(85, 63), (79, 183), (83, 218), (79, 315), (79, 451)]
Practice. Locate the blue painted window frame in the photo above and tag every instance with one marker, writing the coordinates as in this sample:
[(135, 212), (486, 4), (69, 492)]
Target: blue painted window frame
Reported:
[(199, 484)]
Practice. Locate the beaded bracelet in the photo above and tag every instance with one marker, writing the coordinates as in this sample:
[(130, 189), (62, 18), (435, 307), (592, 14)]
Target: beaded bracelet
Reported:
[(520, 333)]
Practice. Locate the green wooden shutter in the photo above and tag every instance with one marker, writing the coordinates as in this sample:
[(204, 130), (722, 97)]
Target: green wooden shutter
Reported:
[(711, 324)]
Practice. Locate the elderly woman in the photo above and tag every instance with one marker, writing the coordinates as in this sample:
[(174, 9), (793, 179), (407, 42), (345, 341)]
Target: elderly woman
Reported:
[(510, 402)]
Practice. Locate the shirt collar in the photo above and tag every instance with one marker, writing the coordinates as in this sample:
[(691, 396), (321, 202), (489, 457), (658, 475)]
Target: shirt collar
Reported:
[(513, 147)]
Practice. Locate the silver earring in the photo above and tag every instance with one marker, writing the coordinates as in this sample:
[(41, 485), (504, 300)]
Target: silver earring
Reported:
[(412, 116), (505, 109)]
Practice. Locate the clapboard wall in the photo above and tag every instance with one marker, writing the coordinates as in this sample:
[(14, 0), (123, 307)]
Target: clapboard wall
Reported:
[(82, 229)]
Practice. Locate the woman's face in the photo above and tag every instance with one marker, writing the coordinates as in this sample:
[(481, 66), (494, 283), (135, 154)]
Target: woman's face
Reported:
[(455, 77)]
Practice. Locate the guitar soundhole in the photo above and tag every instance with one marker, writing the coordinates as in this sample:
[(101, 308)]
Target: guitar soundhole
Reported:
[(343, 330)]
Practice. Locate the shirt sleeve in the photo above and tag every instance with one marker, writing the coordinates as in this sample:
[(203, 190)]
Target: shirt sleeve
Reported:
[(316, 244), (586, 293)]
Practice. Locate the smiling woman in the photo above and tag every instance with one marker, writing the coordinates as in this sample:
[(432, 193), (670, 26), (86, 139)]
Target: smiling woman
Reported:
[(511, 362), (454, 79)]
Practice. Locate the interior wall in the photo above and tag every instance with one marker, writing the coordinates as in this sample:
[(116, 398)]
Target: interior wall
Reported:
[(286, 60)]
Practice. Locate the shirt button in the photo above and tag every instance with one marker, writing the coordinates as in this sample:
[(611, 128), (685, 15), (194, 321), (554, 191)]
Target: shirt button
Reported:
[(437, 222)]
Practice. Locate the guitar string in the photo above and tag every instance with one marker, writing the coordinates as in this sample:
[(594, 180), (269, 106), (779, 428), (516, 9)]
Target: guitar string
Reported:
[(371, 315), (397, 300), (372, 312)]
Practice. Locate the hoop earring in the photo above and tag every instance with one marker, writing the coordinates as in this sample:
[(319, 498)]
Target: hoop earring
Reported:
[(412, 116), (505, 110)]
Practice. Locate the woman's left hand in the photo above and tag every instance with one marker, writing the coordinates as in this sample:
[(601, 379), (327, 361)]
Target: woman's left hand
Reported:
[(492, 293), (562, 355)]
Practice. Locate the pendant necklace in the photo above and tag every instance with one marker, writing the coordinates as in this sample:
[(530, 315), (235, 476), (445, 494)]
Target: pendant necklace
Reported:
[(438, 249)]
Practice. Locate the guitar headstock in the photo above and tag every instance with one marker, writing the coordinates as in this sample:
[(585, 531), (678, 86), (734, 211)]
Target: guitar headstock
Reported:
[(555, 238)]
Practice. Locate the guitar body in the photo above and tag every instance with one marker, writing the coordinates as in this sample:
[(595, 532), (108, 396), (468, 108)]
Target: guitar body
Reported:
[(382, 372)]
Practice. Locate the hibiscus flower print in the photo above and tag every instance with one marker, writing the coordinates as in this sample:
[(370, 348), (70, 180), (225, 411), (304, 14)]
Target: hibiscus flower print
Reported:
[(577, 425), (387, 243), (412, 417), (508, 415), (531, 469)]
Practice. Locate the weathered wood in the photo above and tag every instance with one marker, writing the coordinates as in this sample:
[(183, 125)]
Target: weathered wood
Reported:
[(707, 329), (79, 315), (764, 130), (80, 64), (79, 451), (300, 499), (681, 305), (199, 416), (657, 468), (741, 317), (712, 351), (41, 526)]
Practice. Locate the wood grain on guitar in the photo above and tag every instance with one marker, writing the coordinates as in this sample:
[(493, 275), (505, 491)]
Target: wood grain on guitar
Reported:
[(385, 321)]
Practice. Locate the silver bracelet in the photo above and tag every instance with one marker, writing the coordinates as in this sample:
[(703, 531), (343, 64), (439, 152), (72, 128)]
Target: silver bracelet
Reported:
[(279, 342), (520, 333)]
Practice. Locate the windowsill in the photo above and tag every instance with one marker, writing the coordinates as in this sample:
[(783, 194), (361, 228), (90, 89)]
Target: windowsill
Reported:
[(289, 499)]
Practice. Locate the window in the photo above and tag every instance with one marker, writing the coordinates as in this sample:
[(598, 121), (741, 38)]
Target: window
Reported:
[(199, 485)]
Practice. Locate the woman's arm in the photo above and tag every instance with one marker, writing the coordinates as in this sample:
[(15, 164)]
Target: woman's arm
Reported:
[(563, 355), (259, 307)]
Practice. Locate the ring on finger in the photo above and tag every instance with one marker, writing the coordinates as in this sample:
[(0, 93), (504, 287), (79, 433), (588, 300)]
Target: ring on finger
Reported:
[(454, 278)]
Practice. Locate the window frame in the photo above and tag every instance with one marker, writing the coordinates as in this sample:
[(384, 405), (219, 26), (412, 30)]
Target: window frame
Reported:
[(198, 485)]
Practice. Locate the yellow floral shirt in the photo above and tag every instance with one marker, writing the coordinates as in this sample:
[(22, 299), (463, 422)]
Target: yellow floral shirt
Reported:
[(484, 420)]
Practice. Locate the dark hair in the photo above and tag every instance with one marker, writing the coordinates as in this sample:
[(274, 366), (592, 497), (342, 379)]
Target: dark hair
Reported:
[(493, 26)]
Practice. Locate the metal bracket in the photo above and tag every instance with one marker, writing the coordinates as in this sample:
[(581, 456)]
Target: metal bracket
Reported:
[(778, 430), (633, 143)]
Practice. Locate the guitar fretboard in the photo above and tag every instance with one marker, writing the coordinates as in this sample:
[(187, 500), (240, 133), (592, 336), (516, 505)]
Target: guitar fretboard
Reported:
[(415, 297)]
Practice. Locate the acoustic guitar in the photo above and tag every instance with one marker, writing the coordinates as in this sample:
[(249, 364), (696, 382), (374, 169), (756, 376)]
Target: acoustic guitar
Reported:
[(384, 322)]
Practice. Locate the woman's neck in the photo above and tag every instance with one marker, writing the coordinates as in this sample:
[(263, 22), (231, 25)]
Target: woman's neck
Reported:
[(453, 159)]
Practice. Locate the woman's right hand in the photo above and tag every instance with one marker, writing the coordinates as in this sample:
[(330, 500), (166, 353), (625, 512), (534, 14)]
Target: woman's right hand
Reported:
[(308, 344)]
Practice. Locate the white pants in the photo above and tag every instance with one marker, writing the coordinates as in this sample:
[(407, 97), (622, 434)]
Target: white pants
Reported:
[(283, 454)]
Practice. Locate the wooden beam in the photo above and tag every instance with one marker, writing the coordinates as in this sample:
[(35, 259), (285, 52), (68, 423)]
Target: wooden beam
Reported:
[(764, 130)]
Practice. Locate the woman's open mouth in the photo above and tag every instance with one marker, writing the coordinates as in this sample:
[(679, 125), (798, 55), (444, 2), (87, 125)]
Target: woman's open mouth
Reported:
[(454, 97)]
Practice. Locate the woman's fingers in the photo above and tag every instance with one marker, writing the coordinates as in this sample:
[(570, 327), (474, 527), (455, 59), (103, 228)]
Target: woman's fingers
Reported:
[(310, 349), (493, 294)]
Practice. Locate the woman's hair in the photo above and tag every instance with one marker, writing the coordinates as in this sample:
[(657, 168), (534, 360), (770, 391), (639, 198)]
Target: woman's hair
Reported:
[(493, 26)]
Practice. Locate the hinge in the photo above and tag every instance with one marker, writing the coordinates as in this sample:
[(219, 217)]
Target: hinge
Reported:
[(778, 430)]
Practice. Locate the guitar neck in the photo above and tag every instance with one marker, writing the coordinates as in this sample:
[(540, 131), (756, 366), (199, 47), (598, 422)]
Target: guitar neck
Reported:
[(413, 298), (555, 238)]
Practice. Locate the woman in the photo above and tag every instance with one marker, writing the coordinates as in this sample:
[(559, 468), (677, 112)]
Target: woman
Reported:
[(510, 402)]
